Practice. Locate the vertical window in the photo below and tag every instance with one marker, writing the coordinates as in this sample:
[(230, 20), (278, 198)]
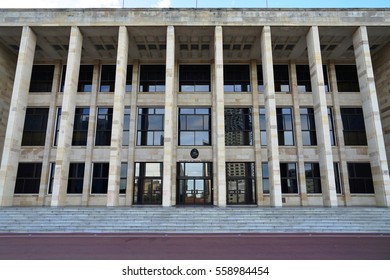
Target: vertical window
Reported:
[(107, 78), (51, 177), (129, 78), (281, 78), (123, 179), (337, 176), (238, 126), (28, 178), (63, 74), (126, 127), (194, 78), (308, 126), (194, 126), (236, 78), (103, 127), (100, 178), (347, 78), (76, 177), (303, 78), (331, 127), (80, 127), (360, 177), (313, 177), (85, 78), (148, 183), (35, 124), (285, 126), (265, 174), (58, 123), (353, 127), (260, 79), (42, 78), (263, 127), (152, 78), (326, 79), (150, 127), (288, 177), (241, 186)]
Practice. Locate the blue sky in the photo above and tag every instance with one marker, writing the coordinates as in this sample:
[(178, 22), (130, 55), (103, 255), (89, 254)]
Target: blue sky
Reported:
[(193, 3)]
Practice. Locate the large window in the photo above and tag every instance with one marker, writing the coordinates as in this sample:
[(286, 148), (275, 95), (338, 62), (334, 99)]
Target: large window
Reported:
[(100, 178), (126, 127), (288, 177), (303, 78), (263, 127), (281, 78), (42, 78), (360, 177), (152, 78), (76, 177), (285, 126), (260, 79), (148, 183), (347, 78), (35, 124), (265, 175), (236, 78), (85, 78), (150, 128), (353, 127), (241, 186), (194, 78), (194, 126), (308, 126), (238, 126), (103, 127), (313, 177), (80, 127), (107, 78), (28, 178)]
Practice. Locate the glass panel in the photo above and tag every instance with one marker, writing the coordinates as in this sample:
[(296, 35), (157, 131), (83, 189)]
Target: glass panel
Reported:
[(201, 138), (187, 138), (194, 122)]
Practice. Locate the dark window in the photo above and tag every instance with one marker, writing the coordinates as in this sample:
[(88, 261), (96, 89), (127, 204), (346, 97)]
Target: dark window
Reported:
[(194, 78), (63, 74), (51, 177), (35, 124), (313, 177), (152, 78), (263, 127), (126, 127), (288, 177), (123, 179), (80, 127), (241, 186), (308, 126), (194, 126), (85, 78), (129, 78), (150, 128), (303, 78), (107, 78), (353, 127), (58, 123), (238, 126), (148, 183), (326, 79), (42, 78), (260, 79), (236, 78), (337, 176), (100, 178), (285, 126), (331, 127), (265, 175), (347, 78), (28, 178), (281, 78), (103, 127), (360, 177), (76, 178)]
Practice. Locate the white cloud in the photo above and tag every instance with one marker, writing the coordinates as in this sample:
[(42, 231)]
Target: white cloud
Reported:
[(61, 4), (164, 4)]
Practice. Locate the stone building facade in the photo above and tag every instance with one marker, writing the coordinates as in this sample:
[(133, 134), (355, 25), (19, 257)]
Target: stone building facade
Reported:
[(266, 107)]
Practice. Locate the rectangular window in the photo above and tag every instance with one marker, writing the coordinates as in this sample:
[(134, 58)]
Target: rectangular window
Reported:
[(51, 177), (331, 127), (150, 127), (63, 74), (303, 78), (326, 79), (337, 176), (260, 79), (194, 126), (313, 177), (241, 184), (308, 127), (58, 123), (194, 78), (265, 175), (123, 179), (288, 177), (152, 78), (353, 127), (148, 183), (285, 126), (129, 78), (126, 127), (80, 127), (100, 178), (28, 178), (360, 177), (236, 78), (107, 78), (281, 78), (35, 124), (85, 78), (76, 178), (347, 78), (238, 127), (103, 127), (42, 78), (263, 127)]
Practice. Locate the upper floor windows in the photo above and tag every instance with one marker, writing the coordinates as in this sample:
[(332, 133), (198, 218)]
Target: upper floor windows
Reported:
[(353, 127), (260, 79), (35, 124), (152, 78), (238, 126), (281, 78), (308, 126), (42, 78), (347, 78), (85, 78), (285, 126), (194, 126), (150, 128), (194, 78), (80, 127), (103, 127), (303, 78), (107, 78), (236, 78)]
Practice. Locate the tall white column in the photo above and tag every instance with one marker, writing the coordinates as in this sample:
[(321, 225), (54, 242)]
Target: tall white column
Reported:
[(16, 117), (376, 145)]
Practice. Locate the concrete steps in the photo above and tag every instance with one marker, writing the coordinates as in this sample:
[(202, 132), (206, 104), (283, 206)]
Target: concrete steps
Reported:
[(194, 220)]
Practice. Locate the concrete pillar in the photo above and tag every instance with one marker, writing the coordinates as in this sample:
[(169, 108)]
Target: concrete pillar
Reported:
[(17, 114), (376, 145), (67, 118), (272, 129), (219, 111), (117, 118), (321, 118), (169, 184)]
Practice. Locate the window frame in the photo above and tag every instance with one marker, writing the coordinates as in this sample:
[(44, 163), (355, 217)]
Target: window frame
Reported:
[(143, 120), (37, 130), (313, 174), (308, 127), (198, 80), (103, 127), (245, 115), (83, 130), (183, 127), (237, 77), (281, 124), (32, 182)]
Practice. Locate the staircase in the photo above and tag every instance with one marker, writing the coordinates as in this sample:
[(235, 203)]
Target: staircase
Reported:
[(194, 220)]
